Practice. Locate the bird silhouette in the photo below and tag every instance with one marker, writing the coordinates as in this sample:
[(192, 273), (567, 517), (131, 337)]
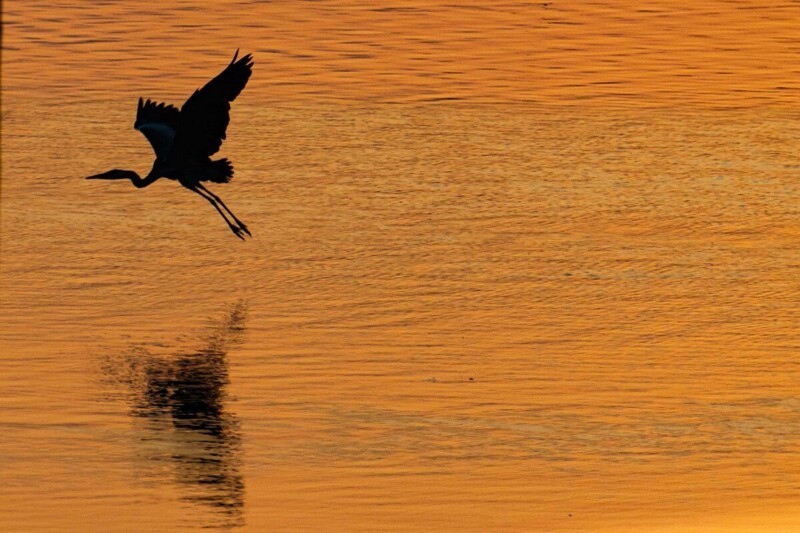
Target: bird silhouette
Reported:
[(185, 140)]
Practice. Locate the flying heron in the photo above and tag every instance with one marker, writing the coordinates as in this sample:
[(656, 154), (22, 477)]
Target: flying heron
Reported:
[(185, 140)]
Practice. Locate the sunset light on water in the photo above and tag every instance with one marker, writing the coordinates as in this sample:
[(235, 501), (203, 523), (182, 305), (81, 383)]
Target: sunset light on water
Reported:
[(513, 267)]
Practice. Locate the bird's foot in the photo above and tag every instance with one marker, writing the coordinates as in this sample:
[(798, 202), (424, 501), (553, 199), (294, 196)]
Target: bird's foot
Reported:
[(237, 231), (244, 228)]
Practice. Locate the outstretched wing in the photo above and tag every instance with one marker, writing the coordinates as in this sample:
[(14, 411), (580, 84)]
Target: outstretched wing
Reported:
[(159, 123), (204, 117)]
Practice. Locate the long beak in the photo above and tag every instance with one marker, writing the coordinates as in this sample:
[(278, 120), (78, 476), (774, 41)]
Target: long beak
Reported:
[(110, 175)]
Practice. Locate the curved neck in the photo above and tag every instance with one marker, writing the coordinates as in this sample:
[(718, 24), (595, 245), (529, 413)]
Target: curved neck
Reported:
[(143, 182)]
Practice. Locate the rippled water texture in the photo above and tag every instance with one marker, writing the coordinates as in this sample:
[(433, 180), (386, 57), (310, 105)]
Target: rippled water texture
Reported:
[(519, 267)]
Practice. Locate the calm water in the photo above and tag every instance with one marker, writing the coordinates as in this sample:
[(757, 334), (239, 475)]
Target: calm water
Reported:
[(514, 268)]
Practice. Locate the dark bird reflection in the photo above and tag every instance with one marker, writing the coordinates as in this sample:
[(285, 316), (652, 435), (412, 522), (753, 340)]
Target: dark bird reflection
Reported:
[(182, 400)]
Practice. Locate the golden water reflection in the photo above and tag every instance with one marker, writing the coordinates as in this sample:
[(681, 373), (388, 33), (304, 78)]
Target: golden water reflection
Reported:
[(180, 403), (715, 53), (588, 207)]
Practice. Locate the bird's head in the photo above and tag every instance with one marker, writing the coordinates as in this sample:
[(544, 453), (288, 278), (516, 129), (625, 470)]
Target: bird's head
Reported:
[(115, 174)]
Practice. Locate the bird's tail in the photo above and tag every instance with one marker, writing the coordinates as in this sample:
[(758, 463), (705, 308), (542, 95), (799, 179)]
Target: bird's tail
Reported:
[(221, 171)]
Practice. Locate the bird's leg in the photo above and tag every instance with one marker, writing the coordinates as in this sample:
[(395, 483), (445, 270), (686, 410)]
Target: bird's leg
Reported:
[(219, 200), (235, 229)]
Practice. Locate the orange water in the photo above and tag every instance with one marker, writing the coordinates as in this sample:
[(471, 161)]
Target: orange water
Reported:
[(514, 268)]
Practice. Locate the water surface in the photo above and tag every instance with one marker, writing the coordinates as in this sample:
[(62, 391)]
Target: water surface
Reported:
[(513, 268)]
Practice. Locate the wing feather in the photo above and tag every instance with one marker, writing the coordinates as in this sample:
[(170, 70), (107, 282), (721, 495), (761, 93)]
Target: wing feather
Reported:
[(159, 123), (205, 115)]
